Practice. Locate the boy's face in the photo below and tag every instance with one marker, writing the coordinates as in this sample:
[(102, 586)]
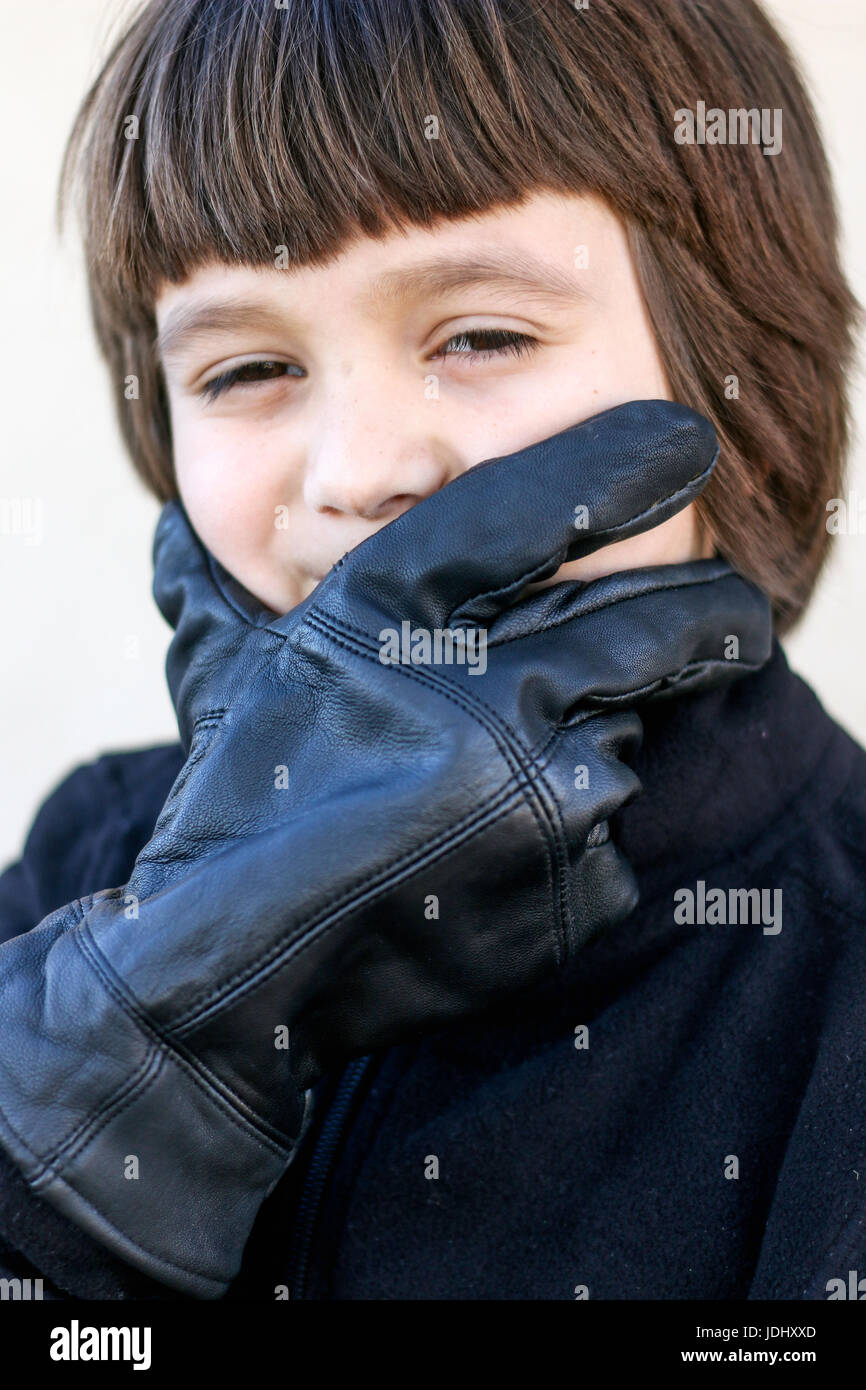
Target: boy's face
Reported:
[(366, 384)]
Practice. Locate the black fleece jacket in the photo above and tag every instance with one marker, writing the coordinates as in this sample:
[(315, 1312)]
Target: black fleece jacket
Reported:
[(683, 1116)]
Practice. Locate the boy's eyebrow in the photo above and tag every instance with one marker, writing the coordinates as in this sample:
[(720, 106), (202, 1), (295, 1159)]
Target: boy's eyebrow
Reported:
[(508, 271), (200, 317)]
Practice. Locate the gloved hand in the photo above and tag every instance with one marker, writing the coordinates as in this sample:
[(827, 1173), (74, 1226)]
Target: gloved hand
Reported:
[(357, 851)]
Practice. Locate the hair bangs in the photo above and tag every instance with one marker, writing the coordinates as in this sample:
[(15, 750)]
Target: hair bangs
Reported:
[(245, 132)]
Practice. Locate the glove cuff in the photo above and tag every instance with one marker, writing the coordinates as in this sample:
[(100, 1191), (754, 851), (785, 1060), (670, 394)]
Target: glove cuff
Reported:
[(116, 1128)]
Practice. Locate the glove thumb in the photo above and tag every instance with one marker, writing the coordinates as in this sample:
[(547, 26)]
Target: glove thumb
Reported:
[(215, 620)]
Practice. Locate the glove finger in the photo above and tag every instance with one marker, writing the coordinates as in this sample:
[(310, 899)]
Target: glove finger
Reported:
[(633, 635), (586, 771), (463, 554)]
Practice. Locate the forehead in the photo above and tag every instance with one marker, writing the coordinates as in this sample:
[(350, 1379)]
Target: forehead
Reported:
[(527, 251)]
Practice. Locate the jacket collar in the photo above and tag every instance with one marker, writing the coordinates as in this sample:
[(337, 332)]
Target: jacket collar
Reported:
[(718, 767)]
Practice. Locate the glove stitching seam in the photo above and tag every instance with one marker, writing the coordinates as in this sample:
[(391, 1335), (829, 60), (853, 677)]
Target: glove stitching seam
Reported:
[(200, 1074), (476, 822), (345, 633), (68, 1149), (145, 1250), (511, 747), (600, 603), (524, 788), (194, 1069), (509, 798)]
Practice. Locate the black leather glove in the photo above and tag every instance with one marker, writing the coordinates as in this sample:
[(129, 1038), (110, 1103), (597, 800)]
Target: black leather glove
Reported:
[(356, 851)]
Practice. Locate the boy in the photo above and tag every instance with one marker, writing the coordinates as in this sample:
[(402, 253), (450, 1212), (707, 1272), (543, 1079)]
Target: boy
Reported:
[(397, 241)]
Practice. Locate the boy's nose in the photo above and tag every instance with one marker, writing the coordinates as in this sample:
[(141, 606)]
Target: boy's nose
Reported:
[(375, 468)]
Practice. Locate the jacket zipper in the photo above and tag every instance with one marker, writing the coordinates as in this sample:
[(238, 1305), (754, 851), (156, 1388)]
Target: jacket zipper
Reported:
[(318, 1173)]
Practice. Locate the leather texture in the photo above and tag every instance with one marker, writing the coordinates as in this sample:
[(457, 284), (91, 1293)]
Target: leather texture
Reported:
[(355, 851)]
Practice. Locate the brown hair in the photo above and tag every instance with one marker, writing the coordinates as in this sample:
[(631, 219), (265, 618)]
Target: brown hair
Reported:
[(302, 124)]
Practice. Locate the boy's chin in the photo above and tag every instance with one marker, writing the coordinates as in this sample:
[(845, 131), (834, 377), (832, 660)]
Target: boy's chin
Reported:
[(306, 587)]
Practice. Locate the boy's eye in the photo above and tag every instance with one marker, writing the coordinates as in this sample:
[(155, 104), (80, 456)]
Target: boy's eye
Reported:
[(249, 373), (477, 343)]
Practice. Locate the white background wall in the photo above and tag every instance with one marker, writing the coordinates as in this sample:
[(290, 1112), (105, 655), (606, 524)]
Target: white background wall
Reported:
[(83, 644)]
